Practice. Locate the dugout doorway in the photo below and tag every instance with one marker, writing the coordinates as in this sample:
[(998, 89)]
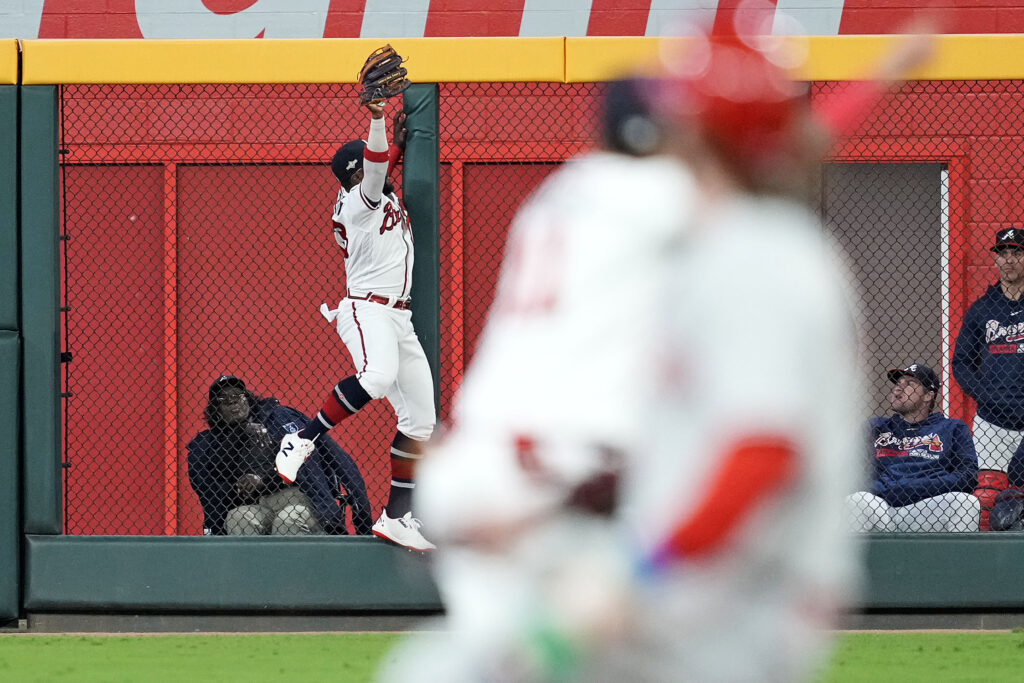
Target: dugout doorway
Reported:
[(892, 220)]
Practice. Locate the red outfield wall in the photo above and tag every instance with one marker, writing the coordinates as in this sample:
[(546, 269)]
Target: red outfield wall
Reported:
[(212, 250)]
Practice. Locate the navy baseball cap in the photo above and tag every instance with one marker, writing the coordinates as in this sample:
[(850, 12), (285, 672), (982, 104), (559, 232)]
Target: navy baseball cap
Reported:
[(223, 382), (1009, 237), (348, 160), (922, 373)]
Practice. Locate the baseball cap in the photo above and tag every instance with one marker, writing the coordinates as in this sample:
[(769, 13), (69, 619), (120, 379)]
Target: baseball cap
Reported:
[(223, 382), (1009, 237), (348, 159), (922, 373)]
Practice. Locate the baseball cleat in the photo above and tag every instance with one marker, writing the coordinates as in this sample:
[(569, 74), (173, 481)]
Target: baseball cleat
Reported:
[(403, 531), (294, 451)]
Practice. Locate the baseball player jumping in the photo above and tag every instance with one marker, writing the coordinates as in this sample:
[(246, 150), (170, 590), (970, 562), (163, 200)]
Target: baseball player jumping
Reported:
[(374, 321)]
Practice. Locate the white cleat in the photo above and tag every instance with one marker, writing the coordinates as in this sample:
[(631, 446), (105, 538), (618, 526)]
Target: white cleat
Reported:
[(403, 531), (293, 453)]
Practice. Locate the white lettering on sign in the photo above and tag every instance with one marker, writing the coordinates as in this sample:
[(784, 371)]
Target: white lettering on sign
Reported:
[(262, 19)]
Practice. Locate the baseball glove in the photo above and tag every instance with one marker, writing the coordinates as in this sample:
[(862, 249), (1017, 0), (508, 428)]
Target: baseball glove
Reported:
[(383, 75)]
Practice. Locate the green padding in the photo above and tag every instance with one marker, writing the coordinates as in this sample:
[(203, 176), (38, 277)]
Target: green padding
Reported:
[(10, 529), (8, 210), (158, 574), (421, 187), (40, 306), (945, 571), (352, 575)]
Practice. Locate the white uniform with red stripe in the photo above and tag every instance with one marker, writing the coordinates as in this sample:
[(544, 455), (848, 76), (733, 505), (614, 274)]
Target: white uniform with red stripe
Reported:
[(560, 369), (759, 347), (374, 320)]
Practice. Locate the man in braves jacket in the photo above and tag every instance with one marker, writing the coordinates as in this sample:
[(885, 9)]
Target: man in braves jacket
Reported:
[(989, 359), (925, 466), (231, 469)]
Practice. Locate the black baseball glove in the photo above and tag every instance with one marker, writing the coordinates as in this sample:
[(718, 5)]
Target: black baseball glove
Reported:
[(383, 75)]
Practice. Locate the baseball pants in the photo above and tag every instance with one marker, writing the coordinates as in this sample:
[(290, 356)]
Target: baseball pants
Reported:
[(946, 512), (390, 362), (995, 446)]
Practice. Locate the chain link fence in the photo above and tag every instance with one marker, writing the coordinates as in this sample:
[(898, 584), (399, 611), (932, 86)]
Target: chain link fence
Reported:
[(198, 244)]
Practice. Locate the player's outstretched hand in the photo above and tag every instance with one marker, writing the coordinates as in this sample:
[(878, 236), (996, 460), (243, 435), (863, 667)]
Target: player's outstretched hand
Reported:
[(376, 108), (401, 133)]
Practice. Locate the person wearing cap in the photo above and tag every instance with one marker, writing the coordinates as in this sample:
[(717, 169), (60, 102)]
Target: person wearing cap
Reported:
[(374, 321), (231, 470), (924, 467), (729, 520), (521, 485), (988, 363), (733, 510)]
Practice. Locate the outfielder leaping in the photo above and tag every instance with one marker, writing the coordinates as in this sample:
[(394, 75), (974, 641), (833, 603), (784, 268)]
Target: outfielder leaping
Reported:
[(372, 228)]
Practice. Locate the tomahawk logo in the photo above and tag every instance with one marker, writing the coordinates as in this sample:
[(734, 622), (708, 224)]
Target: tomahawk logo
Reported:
[(1008, 235)]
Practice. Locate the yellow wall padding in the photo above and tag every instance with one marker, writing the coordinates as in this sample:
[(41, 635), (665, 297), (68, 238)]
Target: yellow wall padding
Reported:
[(287, 61), (556, 59), (8, 61)]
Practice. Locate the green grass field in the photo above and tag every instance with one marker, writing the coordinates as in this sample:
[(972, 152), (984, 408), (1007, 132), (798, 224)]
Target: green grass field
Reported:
[(352, 658)]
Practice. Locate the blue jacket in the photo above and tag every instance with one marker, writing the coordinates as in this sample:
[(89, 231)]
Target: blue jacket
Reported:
[(217, 457), (989, 358), (917, 461)]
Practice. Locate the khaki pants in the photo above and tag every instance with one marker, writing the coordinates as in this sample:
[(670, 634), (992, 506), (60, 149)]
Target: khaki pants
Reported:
[(287, 512)]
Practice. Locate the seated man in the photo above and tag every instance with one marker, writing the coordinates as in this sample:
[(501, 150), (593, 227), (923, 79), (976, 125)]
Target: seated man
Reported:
[(924, 464), (231, 469)]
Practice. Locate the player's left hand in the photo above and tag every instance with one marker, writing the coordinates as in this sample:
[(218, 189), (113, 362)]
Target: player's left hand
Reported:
[(376, 108), (401, 133)]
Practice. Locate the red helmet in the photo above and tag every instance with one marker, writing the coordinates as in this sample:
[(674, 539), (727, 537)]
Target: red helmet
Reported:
[(735, 89)]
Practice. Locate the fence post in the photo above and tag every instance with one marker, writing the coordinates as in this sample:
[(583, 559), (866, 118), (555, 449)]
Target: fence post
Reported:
[(421, 188), (40, 309), (10, 345)]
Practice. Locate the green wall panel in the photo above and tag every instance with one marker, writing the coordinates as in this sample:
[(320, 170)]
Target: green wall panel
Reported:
[(8, 208), (945, 571), (40, 305), (175, 574), (421, 190), (10, 522), (129, 574)]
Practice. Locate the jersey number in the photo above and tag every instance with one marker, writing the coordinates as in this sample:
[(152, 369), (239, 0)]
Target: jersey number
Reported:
[(533, 272), (341, 237)]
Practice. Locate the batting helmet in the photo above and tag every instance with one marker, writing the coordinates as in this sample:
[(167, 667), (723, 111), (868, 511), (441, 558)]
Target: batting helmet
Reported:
[(735, 90)]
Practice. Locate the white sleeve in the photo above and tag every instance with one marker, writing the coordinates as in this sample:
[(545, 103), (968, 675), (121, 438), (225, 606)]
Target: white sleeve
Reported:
[(375, 164)]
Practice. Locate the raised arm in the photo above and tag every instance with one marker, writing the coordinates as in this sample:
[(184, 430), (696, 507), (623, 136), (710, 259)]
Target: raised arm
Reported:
[(376, 157)]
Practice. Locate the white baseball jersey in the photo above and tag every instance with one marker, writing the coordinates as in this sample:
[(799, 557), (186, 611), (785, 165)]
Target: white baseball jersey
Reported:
[(376, 239), (566, 340), (561, 360), (760, 341), (375, 234)]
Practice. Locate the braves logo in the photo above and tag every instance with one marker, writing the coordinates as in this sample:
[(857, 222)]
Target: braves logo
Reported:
[(995, 330), (887, 440), (393, 216)]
